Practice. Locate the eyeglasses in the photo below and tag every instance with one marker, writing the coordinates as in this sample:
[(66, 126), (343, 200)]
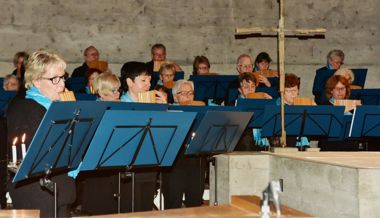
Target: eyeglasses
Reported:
[(246, 65), (340, 89), (293, 91), (249, 87), (55, 80), (185, 93), (114, 91)]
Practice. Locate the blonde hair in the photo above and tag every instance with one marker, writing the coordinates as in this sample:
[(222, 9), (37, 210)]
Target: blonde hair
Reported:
[(167, 66), (344, 72), (38, 63), (104, 83)]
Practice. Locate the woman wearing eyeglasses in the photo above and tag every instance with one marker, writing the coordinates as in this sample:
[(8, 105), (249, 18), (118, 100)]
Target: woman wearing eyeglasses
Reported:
[(337, 88), (44, 80), (187, 175), (107, 87)]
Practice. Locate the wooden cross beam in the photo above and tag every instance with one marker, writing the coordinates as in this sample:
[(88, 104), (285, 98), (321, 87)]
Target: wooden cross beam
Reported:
[(281, 32)]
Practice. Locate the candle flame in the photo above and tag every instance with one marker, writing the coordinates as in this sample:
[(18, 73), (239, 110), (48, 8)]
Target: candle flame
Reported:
[(23, 138), (15, 141)]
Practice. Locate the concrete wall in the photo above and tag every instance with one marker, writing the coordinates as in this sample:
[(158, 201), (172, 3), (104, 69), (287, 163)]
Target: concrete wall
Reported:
[(124, 30)]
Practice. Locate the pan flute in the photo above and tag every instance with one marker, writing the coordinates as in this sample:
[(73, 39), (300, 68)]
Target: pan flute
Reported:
[(146, 97), (67, 96), (194, 103), (348, 104), (257, 95), (304, 101), (100, 65)]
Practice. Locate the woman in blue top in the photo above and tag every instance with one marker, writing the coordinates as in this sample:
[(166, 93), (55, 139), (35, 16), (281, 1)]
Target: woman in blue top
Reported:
[(44, 80), (135, 79)]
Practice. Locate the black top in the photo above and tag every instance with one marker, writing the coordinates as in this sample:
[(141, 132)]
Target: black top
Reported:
[(23, 116), (80, 71)]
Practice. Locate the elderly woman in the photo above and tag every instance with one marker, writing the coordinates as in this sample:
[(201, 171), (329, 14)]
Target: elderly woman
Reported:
[(11, 83), (186, 176), (44, 80), (107, 87), (335, 60), (337, 88), (183, 92)]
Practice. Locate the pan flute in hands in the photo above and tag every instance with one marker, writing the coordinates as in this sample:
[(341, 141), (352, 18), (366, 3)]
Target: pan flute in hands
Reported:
[(146, 97)]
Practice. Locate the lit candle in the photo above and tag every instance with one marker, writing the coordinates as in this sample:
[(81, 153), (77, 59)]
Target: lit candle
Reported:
[(14, 151), (23, 150)]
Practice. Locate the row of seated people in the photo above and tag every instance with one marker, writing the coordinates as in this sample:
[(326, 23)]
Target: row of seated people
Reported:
[(45, 86), (83, 76)]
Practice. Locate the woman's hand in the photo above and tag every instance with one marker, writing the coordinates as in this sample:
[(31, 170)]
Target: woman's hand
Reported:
[(161, 97)]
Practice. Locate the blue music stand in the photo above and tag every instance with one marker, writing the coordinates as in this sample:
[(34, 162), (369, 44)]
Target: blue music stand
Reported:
[(212, 87), (129, 139), (304, 121), (60, 141), (137, 138), (217, 132), (136, 106), (367, 96), (365, 122), (257, 107), (85, 97), (76, 84), (5, 98), (201, 111)]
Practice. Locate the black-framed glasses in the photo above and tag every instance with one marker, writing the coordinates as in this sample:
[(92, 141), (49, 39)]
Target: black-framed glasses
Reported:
[(55, 80)]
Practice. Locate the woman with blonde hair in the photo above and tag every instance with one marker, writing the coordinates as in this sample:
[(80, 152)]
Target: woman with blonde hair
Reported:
[(107, 87), (44, 80)]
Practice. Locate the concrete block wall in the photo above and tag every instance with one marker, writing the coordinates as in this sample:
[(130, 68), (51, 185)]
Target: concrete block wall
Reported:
[(124, 30)]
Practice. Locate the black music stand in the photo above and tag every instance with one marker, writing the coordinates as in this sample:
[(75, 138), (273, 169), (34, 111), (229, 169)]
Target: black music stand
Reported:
[(129, 139), (60, 141), (256, 106), (327, 121)]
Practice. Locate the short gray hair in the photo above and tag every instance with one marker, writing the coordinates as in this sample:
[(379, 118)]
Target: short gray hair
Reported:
[(335, 53), (179, 83)]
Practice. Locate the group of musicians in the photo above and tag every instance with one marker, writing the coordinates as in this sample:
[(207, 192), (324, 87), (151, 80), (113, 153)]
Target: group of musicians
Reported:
[(93, 192)]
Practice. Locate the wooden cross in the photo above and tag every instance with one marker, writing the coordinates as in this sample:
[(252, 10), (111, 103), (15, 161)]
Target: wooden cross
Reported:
[(281, 32)]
